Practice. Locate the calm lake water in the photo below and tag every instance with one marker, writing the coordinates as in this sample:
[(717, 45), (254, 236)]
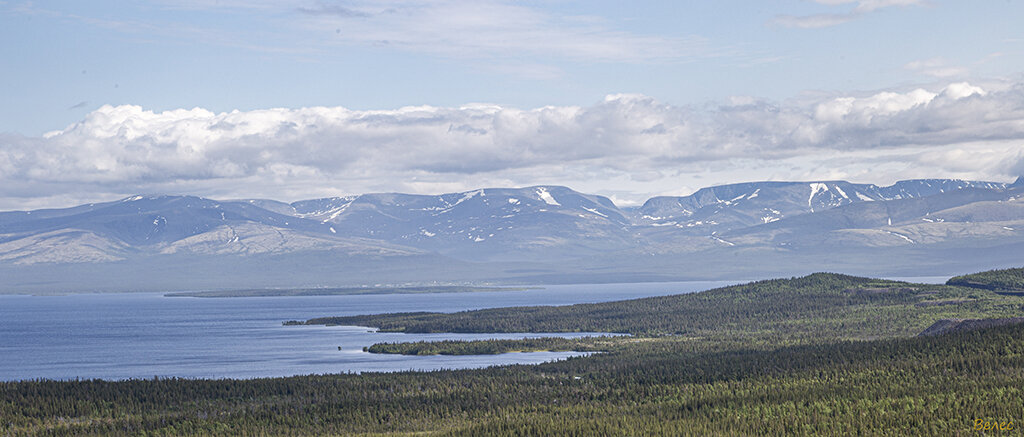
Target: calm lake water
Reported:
[(142, 335)]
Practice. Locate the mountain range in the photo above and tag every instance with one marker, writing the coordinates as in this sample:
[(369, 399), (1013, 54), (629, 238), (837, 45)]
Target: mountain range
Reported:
[(538, 234)]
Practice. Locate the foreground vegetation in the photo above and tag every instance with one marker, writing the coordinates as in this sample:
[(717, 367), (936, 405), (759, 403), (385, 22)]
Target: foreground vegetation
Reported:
[(819, 355), (920, 386)]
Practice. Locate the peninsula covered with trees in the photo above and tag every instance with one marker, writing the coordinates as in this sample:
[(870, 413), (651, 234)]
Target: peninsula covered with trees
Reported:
[(824, 354)]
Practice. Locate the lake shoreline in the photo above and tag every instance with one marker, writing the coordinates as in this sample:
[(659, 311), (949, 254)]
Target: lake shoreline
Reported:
[(117, 336)]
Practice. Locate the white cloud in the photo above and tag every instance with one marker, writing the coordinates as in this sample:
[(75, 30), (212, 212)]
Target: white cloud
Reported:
[(628, 145), (861, 8), (815, 21), (936, 67), (872, 5)]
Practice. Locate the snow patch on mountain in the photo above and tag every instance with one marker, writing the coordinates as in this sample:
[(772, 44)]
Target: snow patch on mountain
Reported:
[(547, 197), (815, 189), (904, 237), (861, 196), (594, 211), (720, 240), (841, 192), (467, 196)]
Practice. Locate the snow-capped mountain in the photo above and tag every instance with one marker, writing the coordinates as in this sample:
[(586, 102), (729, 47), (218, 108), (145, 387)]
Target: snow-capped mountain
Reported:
[(727, 207), (494, 223), (146, 225), (540, 233), (968, 213)]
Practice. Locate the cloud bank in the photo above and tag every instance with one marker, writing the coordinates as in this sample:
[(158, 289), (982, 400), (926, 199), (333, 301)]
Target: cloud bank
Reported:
[(627, 146)]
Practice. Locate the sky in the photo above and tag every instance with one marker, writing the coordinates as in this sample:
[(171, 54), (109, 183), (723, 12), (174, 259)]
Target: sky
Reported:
[(300, 99)]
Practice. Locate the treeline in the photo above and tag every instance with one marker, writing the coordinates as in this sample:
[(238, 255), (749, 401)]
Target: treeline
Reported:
[(814, 307), (996, 280), (921, 386), (817, 355), (491, 347)]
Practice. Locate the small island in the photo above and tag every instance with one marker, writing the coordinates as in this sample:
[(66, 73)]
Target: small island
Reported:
[(346, 291), (493, 347), (773, 357)]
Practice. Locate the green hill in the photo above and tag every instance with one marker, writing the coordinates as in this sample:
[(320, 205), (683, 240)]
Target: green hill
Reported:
[(824, 354), (1011, 280), (818, 307)]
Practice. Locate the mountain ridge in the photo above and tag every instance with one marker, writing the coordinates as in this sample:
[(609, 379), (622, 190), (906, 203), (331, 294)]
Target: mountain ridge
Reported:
[(500, 233)]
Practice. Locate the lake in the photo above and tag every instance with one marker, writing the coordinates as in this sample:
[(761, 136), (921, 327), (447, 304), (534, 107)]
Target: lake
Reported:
[(142, 335)]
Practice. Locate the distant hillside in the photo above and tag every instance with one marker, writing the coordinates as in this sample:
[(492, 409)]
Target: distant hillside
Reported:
[(996, 280), (820, 305), (735, 206), (959, 325), (540, 234)]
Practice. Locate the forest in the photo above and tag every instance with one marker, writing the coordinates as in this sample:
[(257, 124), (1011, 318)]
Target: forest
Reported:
[(821, 306), (1007, 280), (490, 347), (824, 354)]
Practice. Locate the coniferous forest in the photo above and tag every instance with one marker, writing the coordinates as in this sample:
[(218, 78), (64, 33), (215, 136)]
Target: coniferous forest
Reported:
[(1006, 280), (824, 354)]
